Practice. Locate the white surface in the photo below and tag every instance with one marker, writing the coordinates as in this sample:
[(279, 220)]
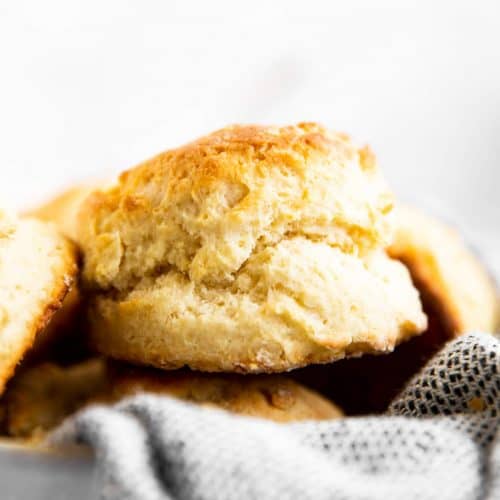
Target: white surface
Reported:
[(92, 87), (37, 474)]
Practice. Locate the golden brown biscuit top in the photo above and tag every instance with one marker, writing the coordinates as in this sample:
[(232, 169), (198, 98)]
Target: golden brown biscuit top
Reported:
[(238, 151), (204, 208)]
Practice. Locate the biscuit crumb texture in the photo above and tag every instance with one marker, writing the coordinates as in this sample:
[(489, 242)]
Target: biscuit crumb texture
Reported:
[(252, 249), (37, 268)]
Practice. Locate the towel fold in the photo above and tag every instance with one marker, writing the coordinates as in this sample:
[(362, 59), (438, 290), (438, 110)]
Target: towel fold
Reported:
[(439, 440)]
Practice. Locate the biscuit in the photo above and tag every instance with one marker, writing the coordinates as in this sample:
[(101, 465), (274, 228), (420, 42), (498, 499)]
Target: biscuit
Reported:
[(62, 209), (457, 295), (446, 272), (63, 338), (369, 384), (273, 397), (37, 268), (41, 397), (253, 249)]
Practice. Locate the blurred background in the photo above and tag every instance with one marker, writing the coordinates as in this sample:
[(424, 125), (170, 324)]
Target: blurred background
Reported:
[(88, 88)]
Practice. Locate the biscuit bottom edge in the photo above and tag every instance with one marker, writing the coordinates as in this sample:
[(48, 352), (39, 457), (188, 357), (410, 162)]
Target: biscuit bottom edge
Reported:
[(298, 303)]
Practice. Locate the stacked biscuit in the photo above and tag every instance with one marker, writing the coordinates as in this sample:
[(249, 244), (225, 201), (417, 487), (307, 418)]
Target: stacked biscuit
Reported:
[(211, 270)]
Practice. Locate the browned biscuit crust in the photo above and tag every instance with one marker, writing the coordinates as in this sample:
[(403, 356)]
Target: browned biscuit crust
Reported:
[(38, 268), (40, 397), (272, 397), (447, 272), (253, 249)]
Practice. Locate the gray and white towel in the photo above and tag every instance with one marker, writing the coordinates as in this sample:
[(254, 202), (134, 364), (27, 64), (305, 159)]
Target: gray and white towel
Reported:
[(439, 440)]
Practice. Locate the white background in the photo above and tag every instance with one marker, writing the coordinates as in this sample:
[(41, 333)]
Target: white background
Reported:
[(91, 87)]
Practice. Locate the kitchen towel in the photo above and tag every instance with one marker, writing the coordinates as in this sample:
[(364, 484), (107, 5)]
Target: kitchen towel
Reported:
[(440, 439)]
